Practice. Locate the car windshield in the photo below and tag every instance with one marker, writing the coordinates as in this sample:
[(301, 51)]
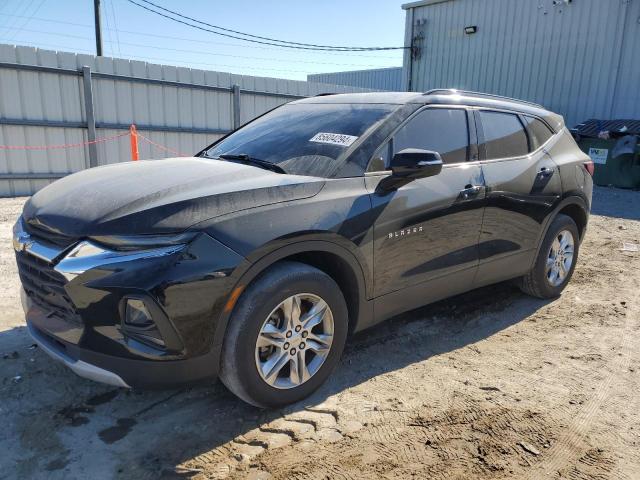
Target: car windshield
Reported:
[(302, 139)]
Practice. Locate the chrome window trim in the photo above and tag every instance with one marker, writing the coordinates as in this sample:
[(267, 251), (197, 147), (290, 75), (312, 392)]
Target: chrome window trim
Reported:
[(553, 138)]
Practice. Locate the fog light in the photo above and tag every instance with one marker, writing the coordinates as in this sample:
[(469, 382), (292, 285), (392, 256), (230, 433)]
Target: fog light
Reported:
[(137, 314)]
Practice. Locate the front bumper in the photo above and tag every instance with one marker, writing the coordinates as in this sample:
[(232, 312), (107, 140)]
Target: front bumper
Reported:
[(80, 367), (48, 333), (185, 289)]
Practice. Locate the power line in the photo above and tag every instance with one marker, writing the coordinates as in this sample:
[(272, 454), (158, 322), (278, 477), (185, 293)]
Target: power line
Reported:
[(48, 20), (203, 42), (108, 29), (115, 25), (332, 49), (203, 52), (13, 23), (169, 61), (218, 65), (25, 22)]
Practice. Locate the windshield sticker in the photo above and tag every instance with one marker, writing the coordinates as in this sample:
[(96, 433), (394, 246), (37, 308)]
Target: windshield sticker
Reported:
[(334, 139)]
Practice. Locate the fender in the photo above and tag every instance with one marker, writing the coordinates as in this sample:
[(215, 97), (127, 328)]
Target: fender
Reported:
[(248, 270), (570, 199)]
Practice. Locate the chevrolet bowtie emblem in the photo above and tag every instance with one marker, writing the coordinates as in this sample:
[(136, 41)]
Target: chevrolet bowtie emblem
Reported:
[(22, 241)]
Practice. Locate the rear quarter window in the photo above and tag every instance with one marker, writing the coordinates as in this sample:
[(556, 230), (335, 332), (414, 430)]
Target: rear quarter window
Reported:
[(504, 136), (539, 133)]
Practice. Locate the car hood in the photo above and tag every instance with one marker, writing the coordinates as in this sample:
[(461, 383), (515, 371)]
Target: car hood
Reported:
[(158, 196)]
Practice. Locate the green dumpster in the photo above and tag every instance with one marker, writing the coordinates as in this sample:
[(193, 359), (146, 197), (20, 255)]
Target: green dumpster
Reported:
[(621, 171)]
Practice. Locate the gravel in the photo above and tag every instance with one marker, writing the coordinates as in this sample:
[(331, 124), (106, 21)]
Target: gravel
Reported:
[(491, 384)]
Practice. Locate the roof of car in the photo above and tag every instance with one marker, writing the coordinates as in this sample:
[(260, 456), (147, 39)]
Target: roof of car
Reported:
[(399, 98), (440, 97)]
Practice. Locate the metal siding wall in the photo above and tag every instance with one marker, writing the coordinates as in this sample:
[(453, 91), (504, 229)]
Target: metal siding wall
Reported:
[(35, 96), (31, 95), (626, 104), (378, 79), (563, 56)]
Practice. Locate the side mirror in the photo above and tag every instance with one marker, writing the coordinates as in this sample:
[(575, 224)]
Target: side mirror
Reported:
[(413, 163)]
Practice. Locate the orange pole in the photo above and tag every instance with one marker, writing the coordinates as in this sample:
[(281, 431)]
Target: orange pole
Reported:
[(134, 143)]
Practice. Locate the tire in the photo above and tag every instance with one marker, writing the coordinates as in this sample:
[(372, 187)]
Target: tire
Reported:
[(537, 282), (260, 312)]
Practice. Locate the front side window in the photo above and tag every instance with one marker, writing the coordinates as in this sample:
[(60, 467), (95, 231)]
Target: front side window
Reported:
[(442, 130), (539, 133), (381, 159), (504, 136), (304, 138)]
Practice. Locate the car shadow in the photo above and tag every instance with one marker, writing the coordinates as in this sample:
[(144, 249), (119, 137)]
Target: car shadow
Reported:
[(147, 434)]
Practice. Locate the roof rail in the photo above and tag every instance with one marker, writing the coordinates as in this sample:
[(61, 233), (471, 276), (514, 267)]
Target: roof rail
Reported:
[(453, 91), (324, 94)]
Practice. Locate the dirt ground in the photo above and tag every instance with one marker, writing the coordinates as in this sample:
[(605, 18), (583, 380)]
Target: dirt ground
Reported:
[(491, 384)]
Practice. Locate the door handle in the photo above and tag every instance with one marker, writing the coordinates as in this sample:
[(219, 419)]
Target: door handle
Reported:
[(546, 171), (471, 191)]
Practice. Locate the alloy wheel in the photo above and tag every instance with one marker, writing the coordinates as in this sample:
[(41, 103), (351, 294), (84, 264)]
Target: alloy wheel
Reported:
[(294, 341), (560, 258)]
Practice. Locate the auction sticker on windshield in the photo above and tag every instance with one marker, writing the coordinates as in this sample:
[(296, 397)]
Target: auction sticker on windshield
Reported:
[(334, 139)]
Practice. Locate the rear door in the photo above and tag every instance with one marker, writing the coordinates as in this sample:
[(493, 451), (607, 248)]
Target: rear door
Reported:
[(428, 229), (523, 186)]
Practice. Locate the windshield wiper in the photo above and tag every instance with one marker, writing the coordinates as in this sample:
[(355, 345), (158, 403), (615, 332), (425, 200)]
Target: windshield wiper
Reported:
[(247, 159)]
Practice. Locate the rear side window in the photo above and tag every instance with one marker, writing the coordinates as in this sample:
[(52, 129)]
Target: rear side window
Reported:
[(539, 133), (504, 136), (441, 130)]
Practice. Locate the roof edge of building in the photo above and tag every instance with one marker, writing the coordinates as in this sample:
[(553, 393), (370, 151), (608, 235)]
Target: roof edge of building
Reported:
[(355, 71), (422, 3)]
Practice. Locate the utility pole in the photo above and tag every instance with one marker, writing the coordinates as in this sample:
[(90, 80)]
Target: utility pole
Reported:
[(96, 14)]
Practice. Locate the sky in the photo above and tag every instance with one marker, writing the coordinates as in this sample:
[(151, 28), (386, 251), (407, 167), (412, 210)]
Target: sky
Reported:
[(134, 33)]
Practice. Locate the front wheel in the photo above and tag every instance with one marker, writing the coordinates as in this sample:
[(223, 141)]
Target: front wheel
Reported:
[(556, 260), (285, 335)]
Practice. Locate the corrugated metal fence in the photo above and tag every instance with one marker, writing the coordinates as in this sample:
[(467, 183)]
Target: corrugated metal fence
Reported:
[(57, 98), (377, 79)]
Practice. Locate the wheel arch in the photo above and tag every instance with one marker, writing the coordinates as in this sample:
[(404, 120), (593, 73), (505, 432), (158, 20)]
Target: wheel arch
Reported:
[(572, 206), (333, 259), (578, 214)]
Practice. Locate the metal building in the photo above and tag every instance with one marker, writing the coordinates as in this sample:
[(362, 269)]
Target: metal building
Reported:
[(576, 57), (377, 79)]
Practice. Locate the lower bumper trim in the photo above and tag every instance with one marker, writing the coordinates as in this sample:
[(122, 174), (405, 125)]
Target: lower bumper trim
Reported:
[(81, 368)]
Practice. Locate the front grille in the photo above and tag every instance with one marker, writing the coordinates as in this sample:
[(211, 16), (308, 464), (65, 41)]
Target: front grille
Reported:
[(38, 232), (45, 287)]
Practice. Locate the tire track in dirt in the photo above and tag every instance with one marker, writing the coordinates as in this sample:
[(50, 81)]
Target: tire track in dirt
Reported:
[(569, 443), (477, 439)]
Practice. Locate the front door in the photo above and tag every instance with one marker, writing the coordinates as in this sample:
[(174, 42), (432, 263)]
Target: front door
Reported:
[(427, 231)]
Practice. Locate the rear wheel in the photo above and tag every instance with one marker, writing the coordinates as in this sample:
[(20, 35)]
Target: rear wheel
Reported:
[(285, 335), (556, 260)]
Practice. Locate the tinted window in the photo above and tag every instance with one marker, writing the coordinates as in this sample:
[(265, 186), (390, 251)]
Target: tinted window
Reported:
[(380, 159), (439, 129), (304, 138), (504, 136), (539, 133)]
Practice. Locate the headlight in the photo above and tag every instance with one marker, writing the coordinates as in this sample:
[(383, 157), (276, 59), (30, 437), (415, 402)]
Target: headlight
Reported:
[(140, 242), (89, 254)]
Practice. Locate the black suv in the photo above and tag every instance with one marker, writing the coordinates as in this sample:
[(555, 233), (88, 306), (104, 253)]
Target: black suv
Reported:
[(254, 260)]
